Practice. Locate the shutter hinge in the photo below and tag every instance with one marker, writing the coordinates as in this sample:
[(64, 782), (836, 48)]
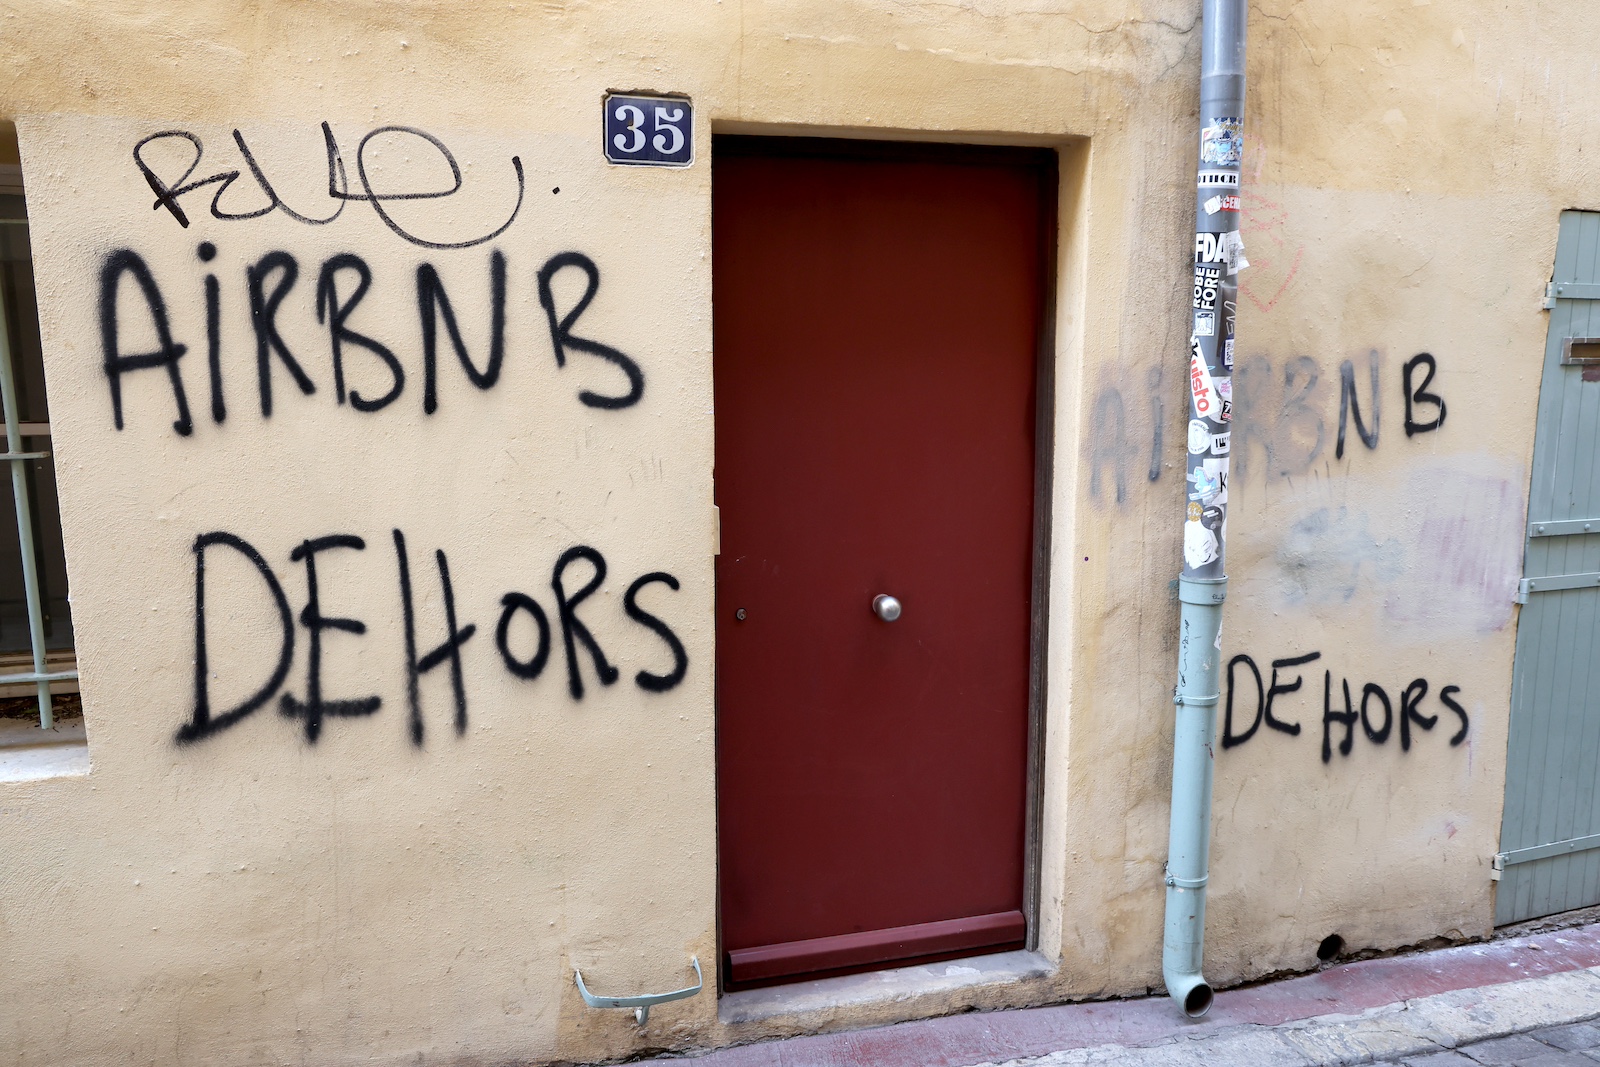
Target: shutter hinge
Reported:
[(1554, 583), (1549, 303), (1497, 866)]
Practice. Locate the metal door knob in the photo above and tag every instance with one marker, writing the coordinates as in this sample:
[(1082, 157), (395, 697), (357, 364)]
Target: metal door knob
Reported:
[(886, 607)]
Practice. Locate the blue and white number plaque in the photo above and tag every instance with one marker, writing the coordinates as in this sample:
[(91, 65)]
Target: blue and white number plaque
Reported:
[(649, 131)]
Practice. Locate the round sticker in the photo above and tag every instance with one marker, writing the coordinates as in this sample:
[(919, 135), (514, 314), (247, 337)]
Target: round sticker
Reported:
[(1194, 511), (1199, 437)]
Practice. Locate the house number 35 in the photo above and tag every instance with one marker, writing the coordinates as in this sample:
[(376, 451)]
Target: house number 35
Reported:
[(649, 130)]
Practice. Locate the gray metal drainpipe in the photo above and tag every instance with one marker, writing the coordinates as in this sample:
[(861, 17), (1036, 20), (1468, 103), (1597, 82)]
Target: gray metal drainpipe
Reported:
[(1202, 585)]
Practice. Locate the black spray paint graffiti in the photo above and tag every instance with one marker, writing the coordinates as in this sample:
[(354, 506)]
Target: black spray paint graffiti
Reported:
[(1350, 404), (1374, 697), (342, 283), (1419, 394), (1281, 423), (313, 709), (169, 193), (449, 651), (315, 706)]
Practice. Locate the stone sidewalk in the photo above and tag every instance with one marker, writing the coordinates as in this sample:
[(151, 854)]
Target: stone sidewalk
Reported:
[(1522, 1000), (1551, 1046), (1536, 1022)]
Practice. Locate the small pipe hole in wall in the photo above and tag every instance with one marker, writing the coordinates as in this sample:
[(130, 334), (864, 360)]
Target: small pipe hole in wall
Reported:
[(1330, 948)]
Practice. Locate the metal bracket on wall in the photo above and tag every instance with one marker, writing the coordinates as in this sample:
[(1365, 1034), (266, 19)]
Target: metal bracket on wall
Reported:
[(1186, 883), (1503, 860), (1563, 527), (642, 1003), (1569, 291), (1556, 582)]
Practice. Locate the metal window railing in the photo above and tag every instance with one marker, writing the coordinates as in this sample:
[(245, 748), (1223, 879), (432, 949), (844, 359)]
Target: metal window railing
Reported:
[(17, 460)]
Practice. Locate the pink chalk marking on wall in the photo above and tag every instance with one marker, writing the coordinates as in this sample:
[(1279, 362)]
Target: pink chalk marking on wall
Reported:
[(1268, 220)]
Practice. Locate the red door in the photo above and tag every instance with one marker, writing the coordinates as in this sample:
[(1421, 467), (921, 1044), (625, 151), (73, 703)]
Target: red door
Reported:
[(878, 321)]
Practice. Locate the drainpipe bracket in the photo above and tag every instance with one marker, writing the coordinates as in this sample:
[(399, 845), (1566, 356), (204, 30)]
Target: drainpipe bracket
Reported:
[(1186, 883)]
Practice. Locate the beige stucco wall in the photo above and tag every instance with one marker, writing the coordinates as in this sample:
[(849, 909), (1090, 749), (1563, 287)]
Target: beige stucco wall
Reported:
[(253, 897)]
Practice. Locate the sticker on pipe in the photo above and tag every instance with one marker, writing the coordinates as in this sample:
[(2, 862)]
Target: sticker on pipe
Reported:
[(1224, 248), (1222, 203), (1209, 482), (1202, 441), (1207, 281), (1208, 402), (1204, 486), (1222, 142), (1200, 544), (1232, 249), (1218, 179)]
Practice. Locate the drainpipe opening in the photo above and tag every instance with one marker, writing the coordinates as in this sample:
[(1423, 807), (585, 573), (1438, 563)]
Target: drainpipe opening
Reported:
[(1198, 1001), (1331, 948)]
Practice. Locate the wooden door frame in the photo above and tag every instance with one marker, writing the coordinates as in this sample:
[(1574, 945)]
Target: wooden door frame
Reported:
[(1048, 164), (1044, 451)]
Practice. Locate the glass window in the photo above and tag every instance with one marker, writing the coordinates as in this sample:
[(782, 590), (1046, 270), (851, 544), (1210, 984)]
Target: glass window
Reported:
[(19, 311)]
